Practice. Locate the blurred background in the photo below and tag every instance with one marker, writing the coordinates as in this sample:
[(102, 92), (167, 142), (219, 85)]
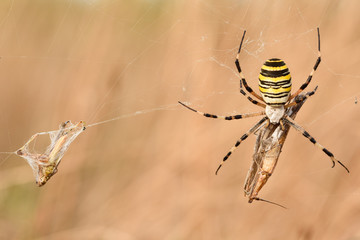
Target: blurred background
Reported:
[(149, 173)]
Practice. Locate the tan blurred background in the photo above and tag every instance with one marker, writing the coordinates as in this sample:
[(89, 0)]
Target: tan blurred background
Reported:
[(150, 173)]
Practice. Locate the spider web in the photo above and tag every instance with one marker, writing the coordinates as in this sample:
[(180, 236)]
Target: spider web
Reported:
[(122, 66), (44, 164)]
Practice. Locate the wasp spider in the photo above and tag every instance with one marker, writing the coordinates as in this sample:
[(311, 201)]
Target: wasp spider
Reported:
[(275, 87)]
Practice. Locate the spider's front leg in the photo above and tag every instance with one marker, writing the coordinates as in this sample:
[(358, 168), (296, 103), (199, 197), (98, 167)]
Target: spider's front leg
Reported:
[(261, 123), (311, 139)]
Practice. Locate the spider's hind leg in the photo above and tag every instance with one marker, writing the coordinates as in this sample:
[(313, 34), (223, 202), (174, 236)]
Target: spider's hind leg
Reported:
[(318, 60), (243, 80)]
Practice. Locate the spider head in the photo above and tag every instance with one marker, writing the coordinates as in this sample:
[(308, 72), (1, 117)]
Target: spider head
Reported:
[(275, 82)]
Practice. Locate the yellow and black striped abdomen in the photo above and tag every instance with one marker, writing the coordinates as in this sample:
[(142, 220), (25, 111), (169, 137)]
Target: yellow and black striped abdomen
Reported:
[(275, 82)]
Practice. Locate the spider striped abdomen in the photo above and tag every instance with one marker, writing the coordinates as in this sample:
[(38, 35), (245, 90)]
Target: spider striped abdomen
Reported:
[(275, 82)]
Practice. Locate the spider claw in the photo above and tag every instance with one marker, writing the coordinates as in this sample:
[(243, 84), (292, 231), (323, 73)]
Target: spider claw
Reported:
[(216, 172), (187, 107), (343, 166), (333, 162)]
